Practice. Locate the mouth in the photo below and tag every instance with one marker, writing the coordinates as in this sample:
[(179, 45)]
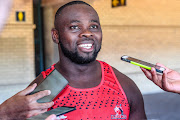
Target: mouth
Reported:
[(86, 47)]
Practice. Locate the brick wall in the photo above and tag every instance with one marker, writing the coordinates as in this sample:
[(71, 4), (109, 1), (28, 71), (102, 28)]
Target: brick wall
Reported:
[(17, 46), (139, 12), (146, 29)]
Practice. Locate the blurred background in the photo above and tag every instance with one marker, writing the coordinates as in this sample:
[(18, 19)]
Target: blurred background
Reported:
[(145, 29)]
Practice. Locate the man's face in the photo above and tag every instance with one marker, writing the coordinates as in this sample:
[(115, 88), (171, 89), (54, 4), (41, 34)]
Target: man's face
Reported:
[(80, 33)]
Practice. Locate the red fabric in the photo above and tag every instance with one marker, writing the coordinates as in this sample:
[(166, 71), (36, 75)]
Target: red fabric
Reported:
[(47, 71), (104, 102)]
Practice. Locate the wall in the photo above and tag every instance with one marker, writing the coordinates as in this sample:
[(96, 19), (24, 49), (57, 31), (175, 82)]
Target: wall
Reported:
[(17, 46), (145, 29)]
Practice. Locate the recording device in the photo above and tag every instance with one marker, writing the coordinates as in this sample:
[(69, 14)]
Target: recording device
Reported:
[(58, 111), (142, 64), (54, 82)]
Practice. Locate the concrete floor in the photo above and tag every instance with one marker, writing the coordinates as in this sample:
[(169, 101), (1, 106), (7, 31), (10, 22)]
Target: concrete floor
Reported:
[(162, 106)]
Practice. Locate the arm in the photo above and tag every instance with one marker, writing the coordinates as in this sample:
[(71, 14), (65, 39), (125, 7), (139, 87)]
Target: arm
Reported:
[(169, 81), (22, 105), (134, 96)]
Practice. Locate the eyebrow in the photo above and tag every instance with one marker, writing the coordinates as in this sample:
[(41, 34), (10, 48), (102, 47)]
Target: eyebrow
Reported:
[(96, 21), (77, 21), (74, 21)]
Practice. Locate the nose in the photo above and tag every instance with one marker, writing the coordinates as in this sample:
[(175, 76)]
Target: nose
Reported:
[(86, 33)]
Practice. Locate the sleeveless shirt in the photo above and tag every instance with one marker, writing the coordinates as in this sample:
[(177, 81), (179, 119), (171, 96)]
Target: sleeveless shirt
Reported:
[(107, 101)]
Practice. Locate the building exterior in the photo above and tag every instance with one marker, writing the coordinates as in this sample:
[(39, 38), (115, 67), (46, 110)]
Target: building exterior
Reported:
[(17, 45), (17, 65)]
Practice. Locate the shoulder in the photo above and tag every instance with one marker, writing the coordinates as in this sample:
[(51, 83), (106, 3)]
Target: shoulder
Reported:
[(133, 95), (130, 88)]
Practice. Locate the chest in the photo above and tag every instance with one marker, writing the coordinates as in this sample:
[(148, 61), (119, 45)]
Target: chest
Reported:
[(85, 81), (100, 103)]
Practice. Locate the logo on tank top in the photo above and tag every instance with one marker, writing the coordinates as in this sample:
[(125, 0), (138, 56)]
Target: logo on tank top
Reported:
[(119, 113)]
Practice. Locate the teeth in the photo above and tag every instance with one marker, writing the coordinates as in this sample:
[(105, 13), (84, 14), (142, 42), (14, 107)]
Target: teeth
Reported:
[(87, 46)]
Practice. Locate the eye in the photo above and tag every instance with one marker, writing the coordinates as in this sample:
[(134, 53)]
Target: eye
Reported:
[(93, 27), (74, 27)]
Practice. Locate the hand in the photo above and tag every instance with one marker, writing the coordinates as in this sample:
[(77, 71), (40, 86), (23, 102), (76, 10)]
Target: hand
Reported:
[(22, 105), (169, 81), (51, 117)]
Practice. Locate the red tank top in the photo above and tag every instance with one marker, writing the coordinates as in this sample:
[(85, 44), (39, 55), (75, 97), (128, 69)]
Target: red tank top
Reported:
[(107, 101)]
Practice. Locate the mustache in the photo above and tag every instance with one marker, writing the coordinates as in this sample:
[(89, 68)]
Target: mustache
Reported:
[(86, 40)]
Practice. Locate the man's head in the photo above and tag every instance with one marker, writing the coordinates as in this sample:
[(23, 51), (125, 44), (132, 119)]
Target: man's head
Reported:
[(78, 32)]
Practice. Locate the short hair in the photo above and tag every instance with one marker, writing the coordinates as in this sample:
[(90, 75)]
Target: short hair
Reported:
[(66, 5)]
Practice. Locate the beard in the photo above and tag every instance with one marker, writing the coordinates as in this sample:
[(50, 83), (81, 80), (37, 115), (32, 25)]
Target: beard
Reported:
[(75, 57)]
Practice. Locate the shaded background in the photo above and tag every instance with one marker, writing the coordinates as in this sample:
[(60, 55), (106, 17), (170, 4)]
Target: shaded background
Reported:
[(144, 29)]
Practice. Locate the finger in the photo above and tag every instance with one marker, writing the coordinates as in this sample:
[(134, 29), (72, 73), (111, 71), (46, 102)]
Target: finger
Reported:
[(28, 90), (36, 112), (161, 65), (147, 73), (155, 77), (164, 81), (44, 105), (51, 117), (41, 94)]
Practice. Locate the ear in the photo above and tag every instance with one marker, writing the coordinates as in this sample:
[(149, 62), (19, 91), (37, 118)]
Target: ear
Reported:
[(55, 35)]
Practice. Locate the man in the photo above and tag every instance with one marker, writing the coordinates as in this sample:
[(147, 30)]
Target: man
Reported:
[(169, 81), (97, 90)]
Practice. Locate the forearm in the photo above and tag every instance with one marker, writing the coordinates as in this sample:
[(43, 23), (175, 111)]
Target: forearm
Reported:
[(3, 114), (9, 110)]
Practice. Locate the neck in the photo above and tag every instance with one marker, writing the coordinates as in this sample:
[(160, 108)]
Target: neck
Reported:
[(80, 75), (67, 67)]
